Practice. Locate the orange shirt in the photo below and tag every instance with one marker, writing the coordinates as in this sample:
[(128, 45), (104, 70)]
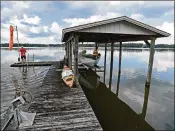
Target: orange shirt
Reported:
[(95, 52), (23, 51)]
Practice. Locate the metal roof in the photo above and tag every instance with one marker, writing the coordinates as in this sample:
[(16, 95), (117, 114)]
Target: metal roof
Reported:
[(116, 29)]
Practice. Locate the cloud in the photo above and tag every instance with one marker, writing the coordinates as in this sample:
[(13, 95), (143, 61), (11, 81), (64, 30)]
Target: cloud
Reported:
[(171, 12), (138, 17), (30, 21), (168, 27), (45, 28), (33, 20), (55, 28), (161, 63), (79, 21), (35, 30), (102, 7)]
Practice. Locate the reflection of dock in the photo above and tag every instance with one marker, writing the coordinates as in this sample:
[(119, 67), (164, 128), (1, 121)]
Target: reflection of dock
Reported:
[(40, 63)]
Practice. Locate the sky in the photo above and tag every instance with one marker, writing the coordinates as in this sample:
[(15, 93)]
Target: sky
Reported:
[(42, 22)]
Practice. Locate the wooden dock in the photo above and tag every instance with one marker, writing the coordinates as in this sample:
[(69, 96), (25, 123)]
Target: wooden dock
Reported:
[(59, 107), (40, 63)]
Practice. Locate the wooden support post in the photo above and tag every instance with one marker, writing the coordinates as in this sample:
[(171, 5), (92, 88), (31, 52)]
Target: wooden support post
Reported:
[(66, 49), (147, 43), (111, 67), (96, 47), (148, 80), (76, 55), (119, 68), (70, 54), (105, 63)]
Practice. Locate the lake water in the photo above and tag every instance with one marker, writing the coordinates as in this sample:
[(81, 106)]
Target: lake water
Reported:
[(160, 108)]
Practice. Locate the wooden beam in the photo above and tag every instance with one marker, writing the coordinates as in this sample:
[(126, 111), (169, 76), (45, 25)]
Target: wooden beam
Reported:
[(119, 69), (134, 38), (147, 43), (148, 80), (111, 67), (69, 39), (105, 63)]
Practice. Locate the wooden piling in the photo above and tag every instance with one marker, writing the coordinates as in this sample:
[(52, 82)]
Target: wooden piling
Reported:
[(75, 55), (67, 53), (148, 80), (105, 63), (70, 56), (119, 68), (96, 46), (111, 66)]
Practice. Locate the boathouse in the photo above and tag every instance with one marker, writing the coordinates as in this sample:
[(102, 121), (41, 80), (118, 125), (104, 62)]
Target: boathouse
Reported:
[(111, 31)]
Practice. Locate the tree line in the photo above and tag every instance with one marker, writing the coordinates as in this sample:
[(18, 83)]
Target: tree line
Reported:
[(128, 45)]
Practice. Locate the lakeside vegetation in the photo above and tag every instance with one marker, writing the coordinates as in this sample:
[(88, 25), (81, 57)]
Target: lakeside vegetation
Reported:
[(126, 45)]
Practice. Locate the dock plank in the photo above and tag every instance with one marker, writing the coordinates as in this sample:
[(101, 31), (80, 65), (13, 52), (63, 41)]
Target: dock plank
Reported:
[(59, 107), (30, 63)]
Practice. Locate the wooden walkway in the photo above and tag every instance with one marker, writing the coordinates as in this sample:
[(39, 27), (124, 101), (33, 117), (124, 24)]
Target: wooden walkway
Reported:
[(42, 63), (58, 107)]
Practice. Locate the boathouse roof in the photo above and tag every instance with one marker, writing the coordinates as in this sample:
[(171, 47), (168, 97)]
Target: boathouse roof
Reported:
[(117, 29)]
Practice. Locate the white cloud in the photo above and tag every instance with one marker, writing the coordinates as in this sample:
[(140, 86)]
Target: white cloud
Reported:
[(168, 27), (55, 28), (16, 12), (45, 28), (79, 21), (35, 30), (138, 17), (171, 12), (161, 63), (103, 7), (33, 20), (23, 30), (21, 4)]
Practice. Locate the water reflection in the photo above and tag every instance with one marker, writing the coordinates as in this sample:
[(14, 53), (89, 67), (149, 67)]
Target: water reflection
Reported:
[(112, 113)]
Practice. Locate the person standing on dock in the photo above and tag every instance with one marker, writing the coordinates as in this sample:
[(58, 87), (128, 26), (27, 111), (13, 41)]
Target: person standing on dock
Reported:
[(23, 54)]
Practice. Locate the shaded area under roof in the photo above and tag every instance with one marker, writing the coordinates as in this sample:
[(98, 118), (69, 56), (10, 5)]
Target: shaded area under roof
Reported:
[(117, 29)]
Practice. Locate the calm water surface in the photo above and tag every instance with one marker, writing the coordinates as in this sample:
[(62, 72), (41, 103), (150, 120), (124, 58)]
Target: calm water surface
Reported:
[(160, 109)]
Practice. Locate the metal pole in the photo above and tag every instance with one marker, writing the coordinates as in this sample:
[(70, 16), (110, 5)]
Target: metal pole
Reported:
[(119, 69), (27, 59), (18, 41), (105, 63), (111, 67), (33, 59)]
